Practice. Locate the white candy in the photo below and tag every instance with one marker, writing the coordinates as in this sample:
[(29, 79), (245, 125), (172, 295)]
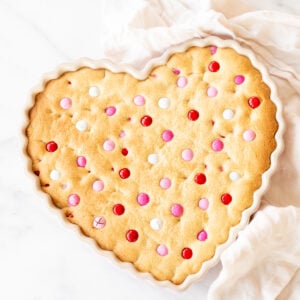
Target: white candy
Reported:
[(94, 91), (81, 125), (55, 175), (156, 224), (164, 103), (228, 114), (153, 158), (234, 176)]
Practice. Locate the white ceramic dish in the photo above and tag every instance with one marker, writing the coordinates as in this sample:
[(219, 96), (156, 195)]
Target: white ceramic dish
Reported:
[(95, 64)]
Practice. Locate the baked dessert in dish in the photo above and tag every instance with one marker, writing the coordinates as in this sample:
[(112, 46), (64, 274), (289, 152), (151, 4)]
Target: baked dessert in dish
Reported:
[(160, 167)]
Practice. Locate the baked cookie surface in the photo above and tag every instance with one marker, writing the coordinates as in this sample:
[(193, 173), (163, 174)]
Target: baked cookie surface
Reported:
[(156, 170)]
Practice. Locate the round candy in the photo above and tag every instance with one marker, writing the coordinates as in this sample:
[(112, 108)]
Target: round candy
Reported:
[(55, 175), (228, 114), (234, 176), (143, 199), (182, 82), (176, 71), (202, 235), (65, 103), (165, 183), (122, 134), (118, 209), (124, 151), (200, 178), (217, 145), (51, 146), (98, 185), (249, 135), (226, 198), (81, 125), (156, 224), (153, 158), (176, 210), (99, 222), (187, 154), (146, 121), (109, 145), (164, 103), (132, 235), (193, 115), (167, 135), (214, 66), (139, 100), (203, 203), (81, 161), (110, 111), (124, 173), (187, 253), (93, 91), (73, 200), (213, 50), (253, 102), (162, 250), (212, 92), (239, 79)]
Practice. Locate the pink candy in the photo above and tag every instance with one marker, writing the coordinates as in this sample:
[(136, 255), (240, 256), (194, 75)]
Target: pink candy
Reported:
[(182, 82), (217, 145), (249, 135), (162, 250), (143, 199), (98, 185), (203, 203), (139, 100), (99, 222), (73, 200), (110, 111), (187, 154), (109, 145), (65, 103), (165, 183), (202, 235), (177, 210), (213, 50), (167, 135), (239, 79), (81, 161), (212, 92)]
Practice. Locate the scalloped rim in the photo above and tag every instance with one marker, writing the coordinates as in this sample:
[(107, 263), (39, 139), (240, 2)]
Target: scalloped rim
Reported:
[(104, 63)]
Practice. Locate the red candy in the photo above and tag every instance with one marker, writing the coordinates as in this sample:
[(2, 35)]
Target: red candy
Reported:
[(124, 151), (51, 146), (146, 121), (118, 209), (214, 66), (132, 235), (226, 198), (200, 178), (253, 102), (193, 115), (187, 253), (124, 173)]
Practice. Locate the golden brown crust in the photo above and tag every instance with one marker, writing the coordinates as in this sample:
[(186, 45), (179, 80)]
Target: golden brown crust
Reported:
[(50, 122)]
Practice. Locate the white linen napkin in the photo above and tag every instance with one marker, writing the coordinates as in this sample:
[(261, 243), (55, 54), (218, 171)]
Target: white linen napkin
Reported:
[(264, 262)]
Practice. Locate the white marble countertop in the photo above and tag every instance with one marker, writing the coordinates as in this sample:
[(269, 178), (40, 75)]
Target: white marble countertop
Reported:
[(40, 258)]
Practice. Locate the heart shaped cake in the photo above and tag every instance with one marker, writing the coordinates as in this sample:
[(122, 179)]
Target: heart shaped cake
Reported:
[(161, 168)]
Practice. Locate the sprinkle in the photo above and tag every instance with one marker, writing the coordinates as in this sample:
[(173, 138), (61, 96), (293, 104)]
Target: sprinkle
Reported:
[(186, 253), (162, 250), (55, 175), (187, 154), (153, 158), (228, 114), (234, 176), (249, 135), (132, 235), (203, 203), (81, 125), (212, 92), (214, 66), (182, 82), (193, 115), (200, 178), (253, 102), (51, 146), (164, 103), (167, 135), (73, 200), (146, 121), (202, 235), (165, 183), (239, 79), (99, 222), (93, 91), (109, 145), (156, 224), (143, 199), (226, 199), (65, 103), (177, 210), (118, 209), (124, 173), (139, 100), (98, 185), (217, 145), (81, 161), (110, 111)]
